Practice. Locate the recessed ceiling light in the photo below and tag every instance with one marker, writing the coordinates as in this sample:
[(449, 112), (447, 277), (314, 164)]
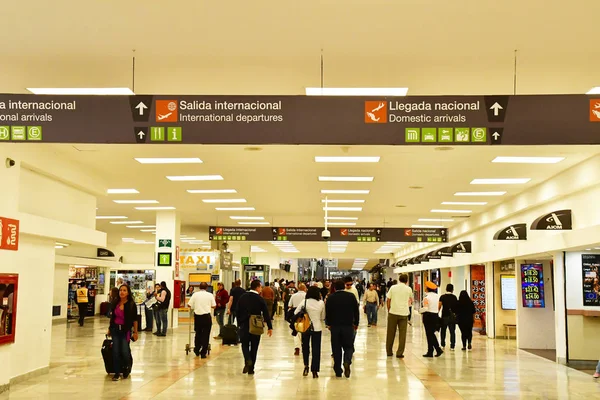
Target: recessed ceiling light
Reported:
[(212, 191), (343, 218), (500, 181), (143, 242), (342, 223), (479, 193), (464, 203), (320, 91), (224, 200), (189, 178), (342, 208), (594, 90), (142, 226), (187, 239), (342, 201), (83, 91), (111, 217), (154, 208), (427, 226), (347, 159), (528, 160), (59, 247), (147, 230), (346, 179), (452, 211), (328, 191), (235, 209), (126, 222), (122, 191), (136, 201), (193, 160), (436, 220), (248, 218), (253, 223)]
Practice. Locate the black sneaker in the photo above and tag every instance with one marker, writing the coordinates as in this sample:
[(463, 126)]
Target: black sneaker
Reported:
[(347, 370), (428, 355), (117, 377), (125, 375), (439, 352)]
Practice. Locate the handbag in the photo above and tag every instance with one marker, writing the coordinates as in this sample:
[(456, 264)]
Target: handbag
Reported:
[(303, 323), (257, 325)]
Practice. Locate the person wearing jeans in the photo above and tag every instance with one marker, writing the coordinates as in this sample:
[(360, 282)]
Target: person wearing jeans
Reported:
[(221, 299), (448, 305), (371, 305), (162, 320), (123, 328), (315, 307)]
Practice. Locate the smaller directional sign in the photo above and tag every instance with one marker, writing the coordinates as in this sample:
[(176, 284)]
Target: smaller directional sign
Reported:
[(496, 135), (495, 107), (140, 108), (141, 134), (166, 243)]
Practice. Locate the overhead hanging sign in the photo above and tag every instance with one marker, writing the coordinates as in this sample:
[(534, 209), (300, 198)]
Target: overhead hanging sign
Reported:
[(512, 232), (419, 120), (422, 258), (445, 252), (462, 247), (239, 234), (554, 221), (9, 234), (434, 255), (104, 253)]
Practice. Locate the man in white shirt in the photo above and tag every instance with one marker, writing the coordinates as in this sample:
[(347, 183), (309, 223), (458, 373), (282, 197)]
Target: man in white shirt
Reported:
[(351, 288), (296, 301), (201, 304), (399, 299)]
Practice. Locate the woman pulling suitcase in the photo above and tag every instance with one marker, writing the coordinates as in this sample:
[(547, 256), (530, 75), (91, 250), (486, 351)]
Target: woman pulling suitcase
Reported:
[(123, 328)]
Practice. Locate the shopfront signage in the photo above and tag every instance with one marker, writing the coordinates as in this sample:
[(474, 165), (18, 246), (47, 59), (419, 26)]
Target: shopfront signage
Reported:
[(434, 255), (419, 120), (532, 285), (197, 260), (422, 258), (555, 221), (512, 232), (445, 252), (313, 234), (591, 279), (9, 234), (100, 253), (461, 248)]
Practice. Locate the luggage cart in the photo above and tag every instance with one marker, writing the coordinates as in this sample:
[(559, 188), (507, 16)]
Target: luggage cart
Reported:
[(189, 347)]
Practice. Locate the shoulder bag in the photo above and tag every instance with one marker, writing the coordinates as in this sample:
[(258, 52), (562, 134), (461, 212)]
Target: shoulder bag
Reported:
[(302, 322), (257, 325)]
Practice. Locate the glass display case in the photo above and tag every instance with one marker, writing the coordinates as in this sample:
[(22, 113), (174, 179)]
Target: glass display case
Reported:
[(9, 289)]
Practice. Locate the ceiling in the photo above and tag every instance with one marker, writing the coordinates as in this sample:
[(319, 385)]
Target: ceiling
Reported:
[(281, 183)]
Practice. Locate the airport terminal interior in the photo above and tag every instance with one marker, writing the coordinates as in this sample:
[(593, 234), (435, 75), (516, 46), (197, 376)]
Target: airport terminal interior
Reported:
[(155, 155)]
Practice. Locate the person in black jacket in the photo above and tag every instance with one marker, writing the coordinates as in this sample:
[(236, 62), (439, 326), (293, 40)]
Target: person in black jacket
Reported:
[(123, 328), (341, 318), (250, 303)]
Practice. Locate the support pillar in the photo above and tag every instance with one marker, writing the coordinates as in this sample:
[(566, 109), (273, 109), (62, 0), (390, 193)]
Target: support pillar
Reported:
[(560, 313), (168, 227)]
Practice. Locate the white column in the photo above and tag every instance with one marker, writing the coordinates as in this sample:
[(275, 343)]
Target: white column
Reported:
[(168, 227), (490, 318), (560, 313)]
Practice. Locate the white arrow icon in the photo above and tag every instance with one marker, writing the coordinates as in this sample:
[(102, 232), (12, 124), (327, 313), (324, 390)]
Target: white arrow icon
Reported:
[(141, 107), (496, 107), (141, 134), (496, 135)]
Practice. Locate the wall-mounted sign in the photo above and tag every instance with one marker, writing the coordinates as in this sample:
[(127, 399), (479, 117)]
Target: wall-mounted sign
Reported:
[(445, 252), (201, 261), (555, 221), (177, 263), (237, 119), (226, 261), (461, 248), (478, 293), (245, 260), (591, 279), (165, 243), (104, 253), (512, 232), (532, 285), (164, 260), (508, 292), (9, 234), (507, 265), (254, 268)]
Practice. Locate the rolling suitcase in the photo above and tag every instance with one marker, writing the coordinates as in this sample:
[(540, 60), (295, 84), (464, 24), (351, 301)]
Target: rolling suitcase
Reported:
[(107, 356), (230, 335)]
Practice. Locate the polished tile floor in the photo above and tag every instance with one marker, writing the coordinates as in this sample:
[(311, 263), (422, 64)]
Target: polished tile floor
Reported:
[(493, 370)]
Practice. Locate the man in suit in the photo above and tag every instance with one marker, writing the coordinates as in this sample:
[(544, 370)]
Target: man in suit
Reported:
[(342, 317), (250, 303)]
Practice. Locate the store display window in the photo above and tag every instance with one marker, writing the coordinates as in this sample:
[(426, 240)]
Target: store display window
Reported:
[(9, 288)]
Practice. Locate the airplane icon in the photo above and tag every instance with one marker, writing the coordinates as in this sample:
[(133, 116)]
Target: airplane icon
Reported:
[(160, 117), (597, 105)]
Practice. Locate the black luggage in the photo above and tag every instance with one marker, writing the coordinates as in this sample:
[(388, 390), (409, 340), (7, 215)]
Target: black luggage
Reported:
[(107, 355), (230, 334)]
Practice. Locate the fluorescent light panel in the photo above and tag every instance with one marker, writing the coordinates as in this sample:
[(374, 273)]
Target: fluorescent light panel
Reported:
[(390, 91), (452, 211), (142, 226), (346, 179), (212, 191), (193, 160), (111, 217), (247, 218), (528, 160), (126, 222), (427, 226), (154, 208), (342, 201), (347, 159), (147, 230), (224, 200), (342, 208), (480, 194), (135, 201), (342, 218), (84, 91), (436, 220), (122, 191), (253, 223), (499, 181), (464, 203), (190, 178), (330, 191), (235, 209), (342, 224)]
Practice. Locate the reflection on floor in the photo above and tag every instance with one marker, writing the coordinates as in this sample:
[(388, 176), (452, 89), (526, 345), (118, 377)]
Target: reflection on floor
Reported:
[(493, 370)]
